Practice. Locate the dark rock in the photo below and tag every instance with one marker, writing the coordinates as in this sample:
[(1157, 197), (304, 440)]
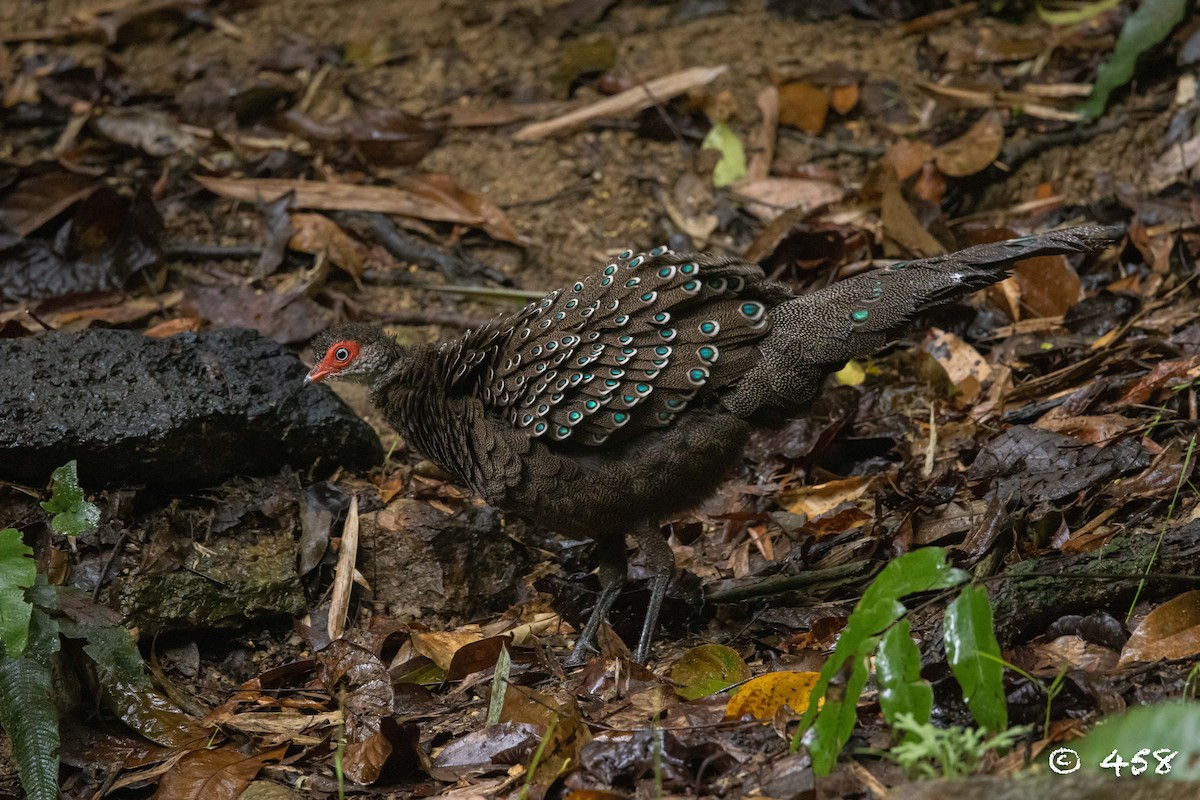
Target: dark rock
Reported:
[(185, 411)]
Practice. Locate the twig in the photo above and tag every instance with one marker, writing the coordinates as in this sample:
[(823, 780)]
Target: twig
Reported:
[(417, 251), (626, 103), (202, 251), (108, 562), (343, 576), (779, 584), (835, 147)]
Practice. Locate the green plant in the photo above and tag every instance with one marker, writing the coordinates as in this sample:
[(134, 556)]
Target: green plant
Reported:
[(31, 630), (931, 752), (29, 635), (1051, 691), (877, 628), (1146, 28)]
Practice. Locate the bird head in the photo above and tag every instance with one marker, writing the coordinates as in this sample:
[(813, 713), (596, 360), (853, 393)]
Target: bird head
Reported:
[(355, 352)]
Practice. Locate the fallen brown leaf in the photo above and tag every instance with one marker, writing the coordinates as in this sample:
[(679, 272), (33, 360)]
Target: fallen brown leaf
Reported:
[(975, 150)]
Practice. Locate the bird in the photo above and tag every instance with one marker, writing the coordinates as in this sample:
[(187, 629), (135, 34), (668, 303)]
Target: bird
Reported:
[(624, 398)]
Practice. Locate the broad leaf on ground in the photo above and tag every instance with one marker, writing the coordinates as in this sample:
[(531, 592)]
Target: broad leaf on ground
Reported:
[(898, 667), (974, 656), (708, 669), (17, 573)]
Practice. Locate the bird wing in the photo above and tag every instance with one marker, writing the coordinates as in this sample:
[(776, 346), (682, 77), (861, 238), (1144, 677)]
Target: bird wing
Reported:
[(624, 349)]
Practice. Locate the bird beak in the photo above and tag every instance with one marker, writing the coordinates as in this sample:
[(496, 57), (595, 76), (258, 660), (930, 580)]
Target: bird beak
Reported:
[(317, 374)]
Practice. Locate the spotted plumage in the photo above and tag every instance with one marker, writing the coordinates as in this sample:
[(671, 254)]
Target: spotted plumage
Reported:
[(621, 350), (625, 396)]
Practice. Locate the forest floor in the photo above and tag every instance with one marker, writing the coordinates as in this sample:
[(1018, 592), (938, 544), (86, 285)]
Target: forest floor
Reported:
[(187, 165)]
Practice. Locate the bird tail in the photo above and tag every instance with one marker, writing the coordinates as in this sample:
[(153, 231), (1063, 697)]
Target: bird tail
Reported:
[(817, 333)]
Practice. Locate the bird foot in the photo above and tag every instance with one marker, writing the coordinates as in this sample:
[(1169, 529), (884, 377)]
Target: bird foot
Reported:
[(581, 653)]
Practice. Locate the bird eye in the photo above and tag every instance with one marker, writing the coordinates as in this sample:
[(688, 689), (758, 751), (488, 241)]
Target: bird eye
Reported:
[(341, 354)]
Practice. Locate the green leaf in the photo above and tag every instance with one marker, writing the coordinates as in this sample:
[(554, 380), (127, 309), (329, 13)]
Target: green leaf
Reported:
[(1152, 22), (73, 514), (708, 669), (732, 166), (1169, 727), (826, 738), (114, 651), (974, 656), (918, 571), (1074, 14), (901, 689), (17, 573), (30, 719), (126, 690)]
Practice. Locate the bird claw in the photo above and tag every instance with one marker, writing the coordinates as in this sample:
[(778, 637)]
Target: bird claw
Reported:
[(580, 654)]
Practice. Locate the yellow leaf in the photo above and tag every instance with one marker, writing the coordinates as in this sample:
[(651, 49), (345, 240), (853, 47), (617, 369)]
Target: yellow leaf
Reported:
[(850, 375), (440, 646), (814, 501), (763, 696)]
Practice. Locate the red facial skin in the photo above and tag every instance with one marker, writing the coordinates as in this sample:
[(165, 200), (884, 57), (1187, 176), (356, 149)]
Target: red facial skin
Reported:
[(331, 364)]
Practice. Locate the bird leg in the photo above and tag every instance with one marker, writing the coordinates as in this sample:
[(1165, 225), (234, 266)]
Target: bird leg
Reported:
[(613, 573), (660, 560)]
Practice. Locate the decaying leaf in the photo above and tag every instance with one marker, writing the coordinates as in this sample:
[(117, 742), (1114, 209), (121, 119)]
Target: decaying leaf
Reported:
[(975, 150), (433, 197), (316, 233), (1170, 631), (763, 696), (708, 669), (803, 106), (816, 500)]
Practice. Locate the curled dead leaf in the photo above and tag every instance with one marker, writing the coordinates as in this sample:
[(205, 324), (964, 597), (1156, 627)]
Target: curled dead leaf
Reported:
[(975, 150), (316, 233), (816, 500)]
